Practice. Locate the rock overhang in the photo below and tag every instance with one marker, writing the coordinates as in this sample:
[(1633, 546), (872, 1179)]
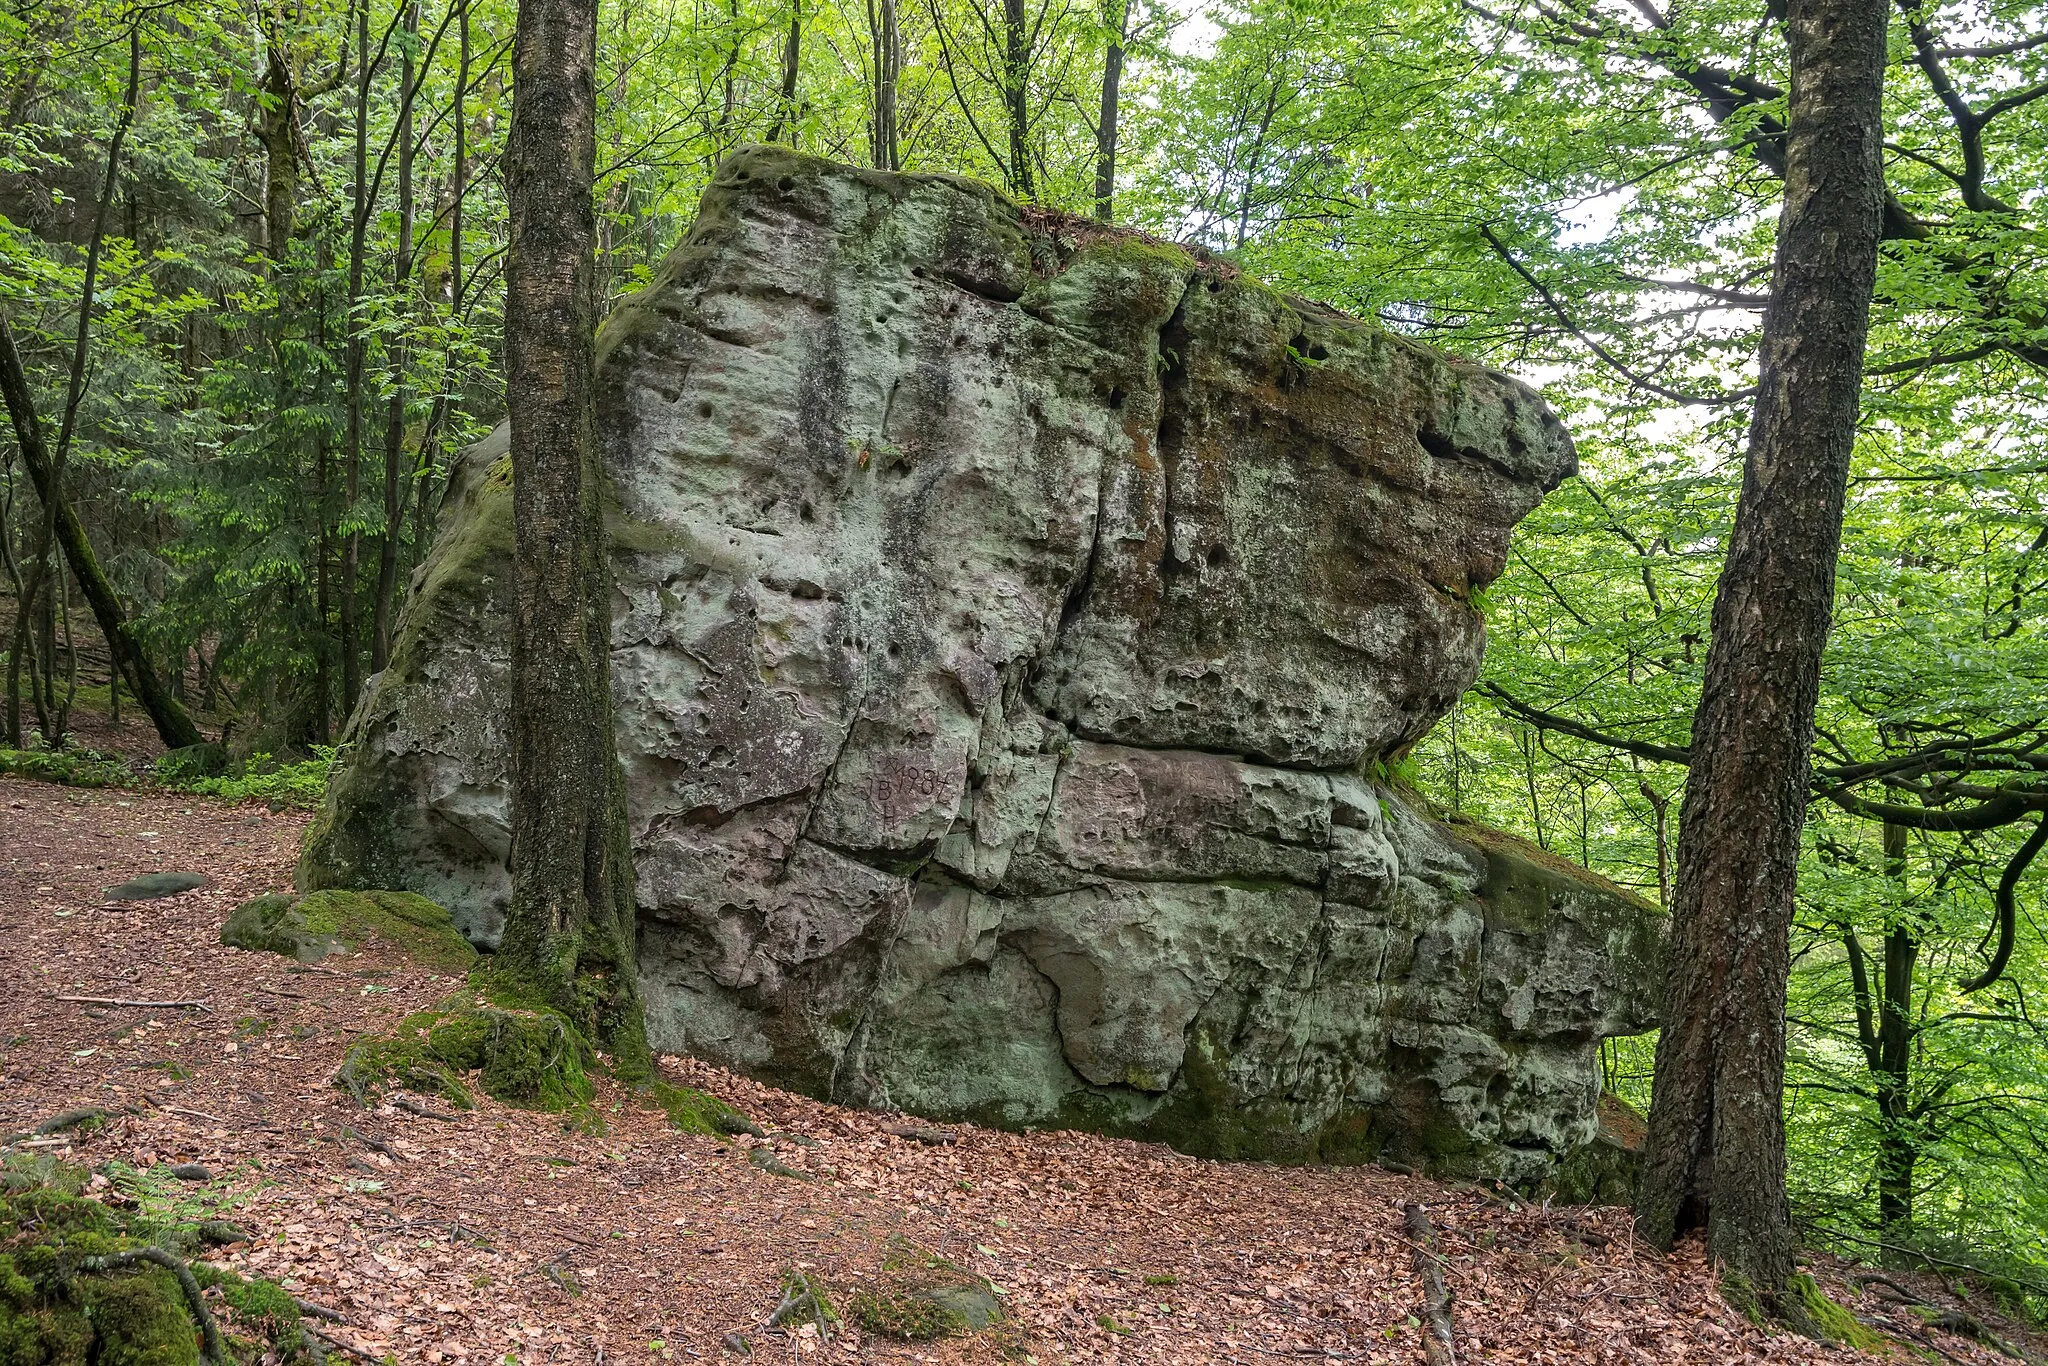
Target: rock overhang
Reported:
[(1010, 613)]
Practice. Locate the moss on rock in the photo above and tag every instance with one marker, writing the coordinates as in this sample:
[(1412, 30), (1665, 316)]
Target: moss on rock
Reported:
[(312, 927), (699, 1112), (919, 1295), (522, 1054), (69, 1295)]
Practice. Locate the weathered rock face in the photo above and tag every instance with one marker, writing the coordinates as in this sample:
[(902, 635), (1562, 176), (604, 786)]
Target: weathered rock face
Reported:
[(1011, 618)]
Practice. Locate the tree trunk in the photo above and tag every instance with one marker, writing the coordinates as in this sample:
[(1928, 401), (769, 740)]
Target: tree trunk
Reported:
[(173, 726), (60, 524), (886, 41), (1106, 124), (276, 116), (394, 422), (352, 471), (570, 928), (792, 66), (1716, 1154), (1897, 1146), (1017, 96)]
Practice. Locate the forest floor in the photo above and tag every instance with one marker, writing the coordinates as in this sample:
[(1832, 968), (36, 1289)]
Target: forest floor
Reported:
[(496, 1236)]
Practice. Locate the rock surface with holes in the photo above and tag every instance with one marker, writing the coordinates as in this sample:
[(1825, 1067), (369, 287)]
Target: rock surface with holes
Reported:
[(1012, 616)]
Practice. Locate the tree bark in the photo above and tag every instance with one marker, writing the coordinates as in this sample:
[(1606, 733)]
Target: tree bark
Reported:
[(352, 470), (792, 67), (1106, 123), (570, 929), (1017, 96), (394, 421), (276, 118), (1716, 1154), (886, 41)]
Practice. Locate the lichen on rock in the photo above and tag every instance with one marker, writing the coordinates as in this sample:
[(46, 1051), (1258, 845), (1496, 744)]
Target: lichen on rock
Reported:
[(1012, 618)]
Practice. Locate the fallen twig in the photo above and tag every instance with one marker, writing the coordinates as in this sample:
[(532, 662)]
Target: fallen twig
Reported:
[(138, 1005), (411, 1106), (1436, 1297), (371, 1141), (320, 1311), (800, 1299), (343, 1343)]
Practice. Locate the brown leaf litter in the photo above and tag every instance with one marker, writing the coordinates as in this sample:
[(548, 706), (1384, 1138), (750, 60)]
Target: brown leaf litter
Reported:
[(496, 1236)]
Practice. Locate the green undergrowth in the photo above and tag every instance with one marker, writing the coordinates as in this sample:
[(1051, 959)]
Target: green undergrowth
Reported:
[(102, 1281), (203, 770), (263, 778), (70, 767)]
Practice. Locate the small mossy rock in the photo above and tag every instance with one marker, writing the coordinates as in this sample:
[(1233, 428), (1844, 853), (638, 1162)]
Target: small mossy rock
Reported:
[(699, 1112), (919, 1296), (191, 763), (530, 1058), (311, 927), (150, 886)]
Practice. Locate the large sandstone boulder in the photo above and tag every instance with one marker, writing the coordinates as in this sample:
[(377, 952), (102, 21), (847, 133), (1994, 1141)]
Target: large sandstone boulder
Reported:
[(1015, 623)]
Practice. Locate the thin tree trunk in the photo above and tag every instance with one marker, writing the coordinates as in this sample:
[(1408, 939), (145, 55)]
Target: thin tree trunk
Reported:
[(571, 924), (172, 724), (1106, 124), (1897, 1151), (60, 524), (1017, 96), (394, 423), (792, 66), (886, 42), (352, 471), (276, 129), (1716, 1154)]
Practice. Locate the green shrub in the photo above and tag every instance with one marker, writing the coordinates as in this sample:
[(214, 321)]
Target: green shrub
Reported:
[(262, 778), (71, 767)]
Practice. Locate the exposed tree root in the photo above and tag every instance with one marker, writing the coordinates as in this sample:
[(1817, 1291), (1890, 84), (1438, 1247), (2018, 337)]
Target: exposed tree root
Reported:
[(1436, 1296)]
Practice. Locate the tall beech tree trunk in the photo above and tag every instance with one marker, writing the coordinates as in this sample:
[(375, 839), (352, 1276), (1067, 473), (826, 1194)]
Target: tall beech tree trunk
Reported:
[(570, 928), (1716, 1155)]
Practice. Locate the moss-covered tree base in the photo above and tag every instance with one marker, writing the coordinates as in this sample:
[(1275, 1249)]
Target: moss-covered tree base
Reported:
[(85, 1284), (497, 1038)]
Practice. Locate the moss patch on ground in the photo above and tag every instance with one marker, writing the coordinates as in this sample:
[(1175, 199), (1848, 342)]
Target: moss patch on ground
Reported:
[(918, 1296), (83, 1283), (1832, 1321), (311, 927)]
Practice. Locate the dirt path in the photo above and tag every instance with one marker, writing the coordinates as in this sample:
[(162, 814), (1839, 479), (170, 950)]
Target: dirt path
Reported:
[(498, 1237)]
